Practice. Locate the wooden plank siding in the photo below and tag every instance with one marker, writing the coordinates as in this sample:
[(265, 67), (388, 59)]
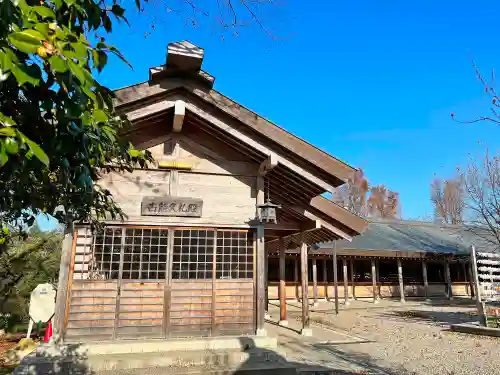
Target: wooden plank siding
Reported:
[(141, 310), (234, 307), (218, 300), (92, 310), (227, 188)]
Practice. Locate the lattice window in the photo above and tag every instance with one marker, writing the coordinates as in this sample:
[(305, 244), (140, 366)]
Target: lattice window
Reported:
[(234, 258), (104, 262), (145, 254), (193, 254)]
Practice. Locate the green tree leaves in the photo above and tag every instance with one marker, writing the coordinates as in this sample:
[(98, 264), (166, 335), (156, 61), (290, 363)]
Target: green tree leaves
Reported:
[(27, 41), (58, 128)]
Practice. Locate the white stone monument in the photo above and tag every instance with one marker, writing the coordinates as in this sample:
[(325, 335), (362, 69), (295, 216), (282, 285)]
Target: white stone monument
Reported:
[(42, 305)]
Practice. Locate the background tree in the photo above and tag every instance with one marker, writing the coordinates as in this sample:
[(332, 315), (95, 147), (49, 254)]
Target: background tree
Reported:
[(231, 16), (25, 264), (352, 195), (489, 87), (448, 198), (383, 203), (357, 196), (482, 188), (59, 131)]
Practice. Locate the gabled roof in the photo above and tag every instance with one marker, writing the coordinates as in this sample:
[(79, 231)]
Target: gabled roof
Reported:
[(412, 236), (326, 166), (303, 173)]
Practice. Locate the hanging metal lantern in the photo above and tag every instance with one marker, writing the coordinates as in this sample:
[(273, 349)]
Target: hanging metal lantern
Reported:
[(267, 212)]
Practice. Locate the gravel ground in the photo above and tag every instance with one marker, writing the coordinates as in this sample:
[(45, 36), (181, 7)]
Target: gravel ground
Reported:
[(414, 340)]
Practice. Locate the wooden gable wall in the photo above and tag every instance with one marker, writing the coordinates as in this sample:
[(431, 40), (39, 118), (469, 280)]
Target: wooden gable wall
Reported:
[(223, 178)]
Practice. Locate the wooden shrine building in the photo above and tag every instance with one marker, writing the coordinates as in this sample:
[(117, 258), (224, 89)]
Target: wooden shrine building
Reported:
[(392, 259), (190, 259)]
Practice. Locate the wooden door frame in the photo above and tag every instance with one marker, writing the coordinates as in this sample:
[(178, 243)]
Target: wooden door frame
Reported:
[(167, 296)]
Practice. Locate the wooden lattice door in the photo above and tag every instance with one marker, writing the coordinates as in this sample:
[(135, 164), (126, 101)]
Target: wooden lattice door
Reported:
[(146, 282), (143, 284)]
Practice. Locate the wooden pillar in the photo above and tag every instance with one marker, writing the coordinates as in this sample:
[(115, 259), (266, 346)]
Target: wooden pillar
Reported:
[(473, 291), (335, 281), (377, 269), (306, 330), (464, 271), (296, 262), (266, 270), (466, 279), (449, 291), (352, 280), (315, 281), (426, 281), (261, 265), (325, 278), (282, 289), (401, 284), (65, 279), (346, 282), (374, 281)]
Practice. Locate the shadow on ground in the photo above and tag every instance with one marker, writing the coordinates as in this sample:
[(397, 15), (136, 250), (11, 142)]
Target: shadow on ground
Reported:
[(70, 361), (435, 317), (456, 302), (360, 360)]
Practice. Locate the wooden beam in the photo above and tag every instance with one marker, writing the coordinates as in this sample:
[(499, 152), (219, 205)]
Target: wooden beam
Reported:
[(466, 279), (304, 227), (336, 281), (426, 281), (325, 277), (315, 281), (374, 281), (346, 282), (324, 224), (306, 330), (284, 226), (377, 269), (149, 110), (214, 121), (269, 164), (401, 284), (179, 114), (449, 290), (471, 281), (296, 276), (261, 264), (282, 287), (352, 279)]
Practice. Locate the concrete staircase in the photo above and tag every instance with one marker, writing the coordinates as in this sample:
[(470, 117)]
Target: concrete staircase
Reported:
[(217, 356)]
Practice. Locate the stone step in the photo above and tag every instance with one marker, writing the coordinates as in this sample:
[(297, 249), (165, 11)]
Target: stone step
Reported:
[(242, 370), (255, 361), (241, 343)]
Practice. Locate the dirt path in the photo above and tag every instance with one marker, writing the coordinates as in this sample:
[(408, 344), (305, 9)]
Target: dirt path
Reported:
[(414, 340)]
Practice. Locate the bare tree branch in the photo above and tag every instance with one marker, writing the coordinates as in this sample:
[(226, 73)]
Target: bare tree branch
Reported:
[(448, 198), (230, 14), (482, 186), (384, 203), (352, 195), (489, 89)]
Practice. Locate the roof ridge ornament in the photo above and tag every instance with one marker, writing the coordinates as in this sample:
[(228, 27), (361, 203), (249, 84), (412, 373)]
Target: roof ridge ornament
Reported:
[(185, 56), (183, 60)]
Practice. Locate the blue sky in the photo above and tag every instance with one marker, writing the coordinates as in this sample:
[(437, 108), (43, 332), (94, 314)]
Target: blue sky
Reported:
[(372, 83)]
